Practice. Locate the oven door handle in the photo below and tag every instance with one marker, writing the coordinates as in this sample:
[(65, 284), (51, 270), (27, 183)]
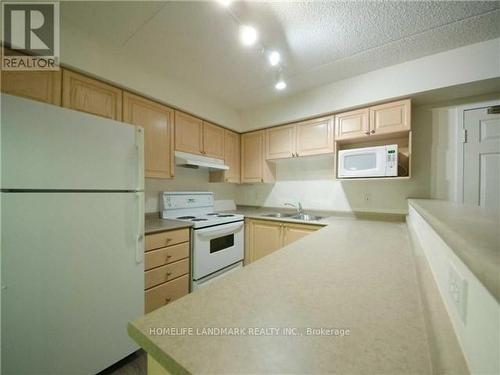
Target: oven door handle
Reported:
[(219, 232)]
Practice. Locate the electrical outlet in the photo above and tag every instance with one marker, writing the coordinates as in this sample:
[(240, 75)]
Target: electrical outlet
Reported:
[(457, 290)]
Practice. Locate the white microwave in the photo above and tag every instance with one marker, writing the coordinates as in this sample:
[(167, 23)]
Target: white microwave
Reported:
[(379, 161)]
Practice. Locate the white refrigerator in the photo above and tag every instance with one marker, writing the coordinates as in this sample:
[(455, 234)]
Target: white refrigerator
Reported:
[(72, 236)]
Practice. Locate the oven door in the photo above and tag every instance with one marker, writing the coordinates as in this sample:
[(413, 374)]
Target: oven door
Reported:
[(363, 162), (217, 247)]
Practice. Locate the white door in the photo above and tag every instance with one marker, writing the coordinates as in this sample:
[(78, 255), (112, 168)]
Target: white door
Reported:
[(52, 148), (72, 278), (482, 158)]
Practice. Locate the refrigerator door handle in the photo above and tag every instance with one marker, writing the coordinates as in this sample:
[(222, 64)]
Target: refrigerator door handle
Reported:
[(139, 143), (139, 250)]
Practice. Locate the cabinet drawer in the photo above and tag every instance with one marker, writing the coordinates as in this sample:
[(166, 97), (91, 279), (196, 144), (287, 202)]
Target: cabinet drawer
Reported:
[(162, 239), (166, 273), (160, 257), (165, 293)]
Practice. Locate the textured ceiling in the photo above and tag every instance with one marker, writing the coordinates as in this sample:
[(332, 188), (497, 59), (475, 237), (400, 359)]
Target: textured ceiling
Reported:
[(320, 41)]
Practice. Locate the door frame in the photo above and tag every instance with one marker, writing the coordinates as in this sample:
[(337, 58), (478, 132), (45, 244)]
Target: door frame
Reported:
[(460, 115)]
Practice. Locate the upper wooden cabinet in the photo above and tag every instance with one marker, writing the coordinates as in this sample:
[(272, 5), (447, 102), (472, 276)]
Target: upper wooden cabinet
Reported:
[(232, 156), (315, 137), (90, 95), (390, 117), (197, 136), (188, 133), (231, 159), (352, 124), (43, 86), (280, 142), (305, 138), (254, 167), (213, 141), (158, 123), (387, 118)]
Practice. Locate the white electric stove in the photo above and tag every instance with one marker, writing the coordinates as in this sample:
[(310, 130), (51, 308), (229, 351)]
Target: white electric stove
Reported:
[(218, 238)]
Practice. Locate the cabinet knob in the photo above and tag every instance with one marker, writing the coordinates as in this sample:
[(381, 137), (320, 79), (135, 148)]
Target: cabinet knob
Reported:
[(169, 256), (373, 132), (168, 299), (367, 133)]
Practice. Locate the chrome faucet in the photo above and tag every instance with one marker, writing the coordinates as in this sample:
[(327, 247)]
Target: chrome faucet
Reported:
[(297, 206)]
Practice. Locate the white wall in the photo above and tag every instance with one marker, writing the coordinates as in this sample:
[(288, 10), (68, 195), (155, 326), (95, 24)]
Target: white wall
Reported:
[(444, 154), (185, 180), (471, 63), (445, 144), (81, 52)]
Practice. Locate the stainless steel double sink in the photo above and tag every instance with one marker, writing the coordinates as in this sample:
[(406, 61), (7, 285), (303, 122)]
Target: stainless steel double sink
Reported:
[(304, 217)]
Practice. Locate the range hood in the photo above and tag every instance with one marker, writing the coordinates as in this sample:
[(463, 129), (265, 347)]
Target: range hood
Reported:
[(185, 159)]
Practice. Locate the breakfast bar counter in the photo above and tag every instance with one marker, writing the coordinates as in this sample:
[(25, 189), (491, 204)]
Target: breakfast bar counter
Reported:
[(344, 299)]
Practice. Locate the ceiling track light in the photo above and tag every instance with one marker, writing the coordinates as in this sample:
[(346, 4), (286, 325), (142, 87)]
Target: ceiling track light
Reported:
[(225, 3), (280, 85), (274, 58), (248, 35)]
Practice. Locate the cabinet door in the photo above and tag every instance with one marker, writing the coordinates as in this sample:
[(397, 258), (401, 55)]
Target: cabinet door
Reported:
[(315, 137), (390, 117), (213, 140), (294, 232), (44, 86), (188, 133), (280, 142), (352, 124), (232, 156), (89, 95), (157, 121), (252, 154), (265, 238)]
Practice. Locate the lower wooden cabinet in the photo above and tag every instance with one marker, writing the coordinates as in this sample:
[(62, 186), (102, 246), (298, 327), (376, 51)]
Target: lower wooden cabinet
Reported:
[(165, 293), (166, 264), (263, 237), (294, 232)]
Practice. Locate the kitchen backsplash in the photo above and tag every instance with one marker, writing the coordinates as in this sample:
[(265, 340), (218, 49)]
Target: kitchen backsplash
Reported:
[(185, 180)]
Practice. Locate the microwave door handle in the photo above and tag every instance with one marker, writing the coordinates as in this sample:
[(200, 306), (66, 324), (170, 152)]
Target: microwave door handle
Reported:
[(213, 232)]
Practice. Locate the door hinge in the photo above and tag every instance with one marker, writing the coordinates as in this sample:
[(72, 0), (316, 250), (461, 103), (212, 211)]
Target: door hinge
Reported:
[(464, 135)]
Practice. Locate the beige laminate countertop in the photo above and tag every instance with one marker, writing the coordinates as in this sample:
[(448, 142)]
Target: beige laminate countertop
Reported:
[(351, 274), (154, 224), (471, 232)]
